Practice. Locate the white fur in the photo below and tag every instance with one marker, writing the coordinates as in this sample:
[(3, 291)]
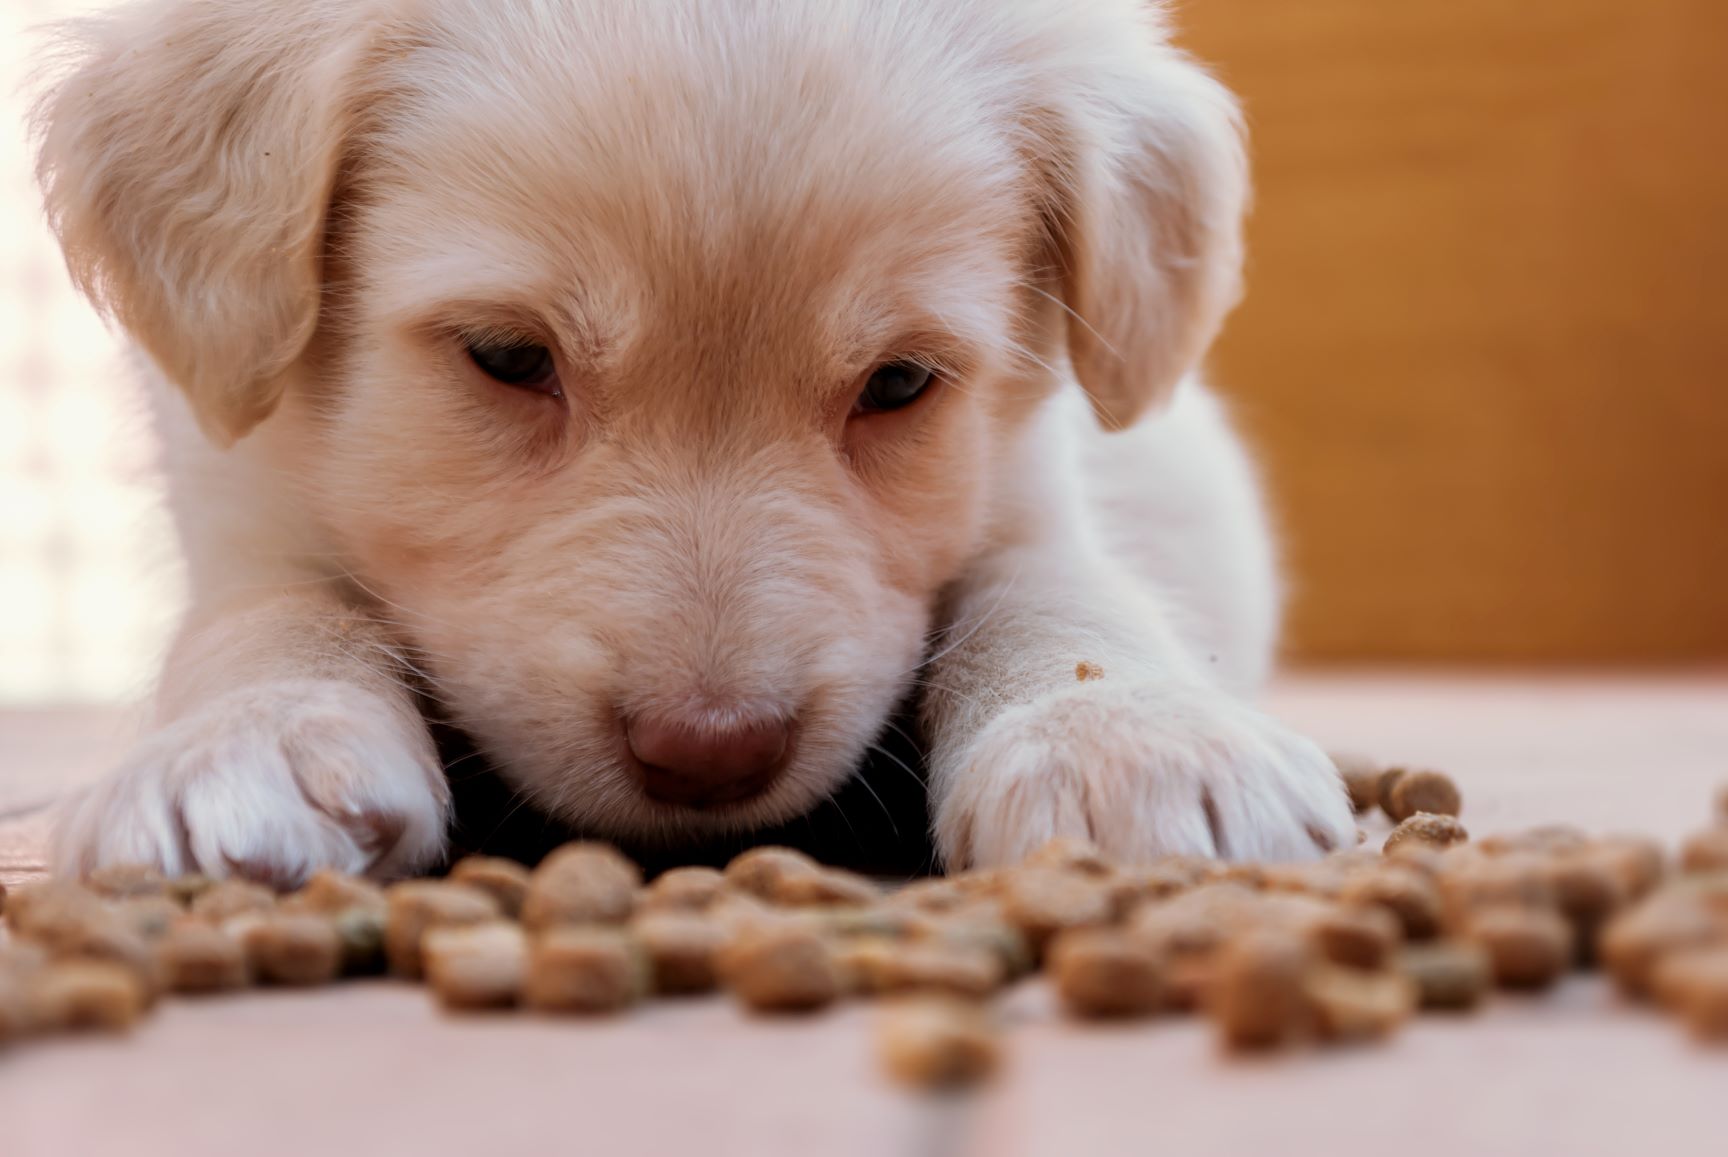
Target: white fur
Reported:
[(721, 215)]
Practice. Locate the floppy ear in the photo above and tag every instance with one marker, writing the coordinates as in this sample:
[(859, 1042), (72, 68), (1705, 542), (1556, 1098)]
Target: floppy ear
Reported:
[(1152, 185), (187, 164)]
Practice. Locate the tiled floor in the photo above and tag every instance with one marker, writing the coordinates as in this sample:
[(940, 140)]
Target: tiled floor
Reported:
[(373, 1069)]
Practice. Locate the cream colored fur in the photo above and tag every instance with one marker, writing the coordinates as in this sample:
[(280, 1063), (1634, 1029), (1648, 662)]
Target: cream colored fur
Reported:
[(720, 215)]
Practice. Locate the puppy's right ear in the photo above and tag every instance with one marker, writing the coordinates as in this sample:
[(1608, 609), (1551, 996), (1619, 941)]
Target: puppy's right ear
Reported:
[(187, 163)]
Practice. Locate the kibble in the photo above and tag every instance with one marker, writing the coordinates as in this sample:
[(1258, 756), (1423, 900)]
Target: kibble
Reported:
[(934, 1042), (1106, 973), (419, 905), (581, 884), (1044, 901), (198, 958), (692, 889), (1527, 948), (476, 966), (1705, 852), (1453, 975), (763, 871), (1695, 985), (1401, 889), (829, 886), (1361, 776), (1353, 1004), (505, 880), (1415, 792), (585, 970), (293, 949), (1428, 830), (1256, 997), (121, 881), (86, 995), (781, 966), (229, 898), (682, 948)]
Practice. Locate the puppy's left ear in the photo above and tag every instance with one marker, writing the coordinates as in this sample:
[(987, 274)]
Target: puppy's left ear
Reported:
[(1151, 184)]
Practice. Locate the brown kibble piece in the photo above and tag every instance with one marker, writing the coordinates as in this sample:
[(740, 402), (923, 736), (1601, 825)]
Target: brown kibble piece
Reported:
[(1388, 780), (581, 883), (1527, 947), (1587, 891), (361, 931), (1085, 672), (198, 958), (1256, 995), (122, 881), (762, 871), (1071, 854), (1044, 901), (935, 1042), (1350, 1004), (77, 995), (184, 890), (585, 970), (1106, 972), (148, 916), (830, 886), (781, 966), (1361, 776), (1362, 938), (475, 966), (505, 880), (229, 898), (52, 910), (1422, 791), (1409, 895), (690, 889), (293, 949), (1640, 863), (1447, 974), (884, 966), (682, 948), (331, 893), (1635, 941), (418, 905), (1425, 829), (1695, 985), (1705, 852)]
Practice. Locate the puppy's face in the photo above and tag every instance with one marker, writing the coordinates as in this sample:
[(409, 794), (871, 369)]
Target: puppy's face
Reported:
[(656, 366)]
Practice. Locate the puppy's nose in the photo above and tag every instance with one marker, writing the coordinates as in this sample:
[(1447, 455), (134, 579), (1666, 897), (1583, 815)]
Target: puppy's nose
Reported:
[(705, 765)]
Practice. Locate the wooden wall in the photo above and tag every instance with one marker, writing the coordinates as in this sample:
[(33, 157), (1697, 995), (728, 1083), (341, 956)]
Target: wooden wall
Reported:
[(1485, 348)]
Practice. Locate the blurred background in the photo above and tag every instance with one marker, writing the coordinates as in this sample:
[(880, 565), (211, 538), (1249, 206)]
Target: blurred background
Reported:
[(1482, 353)]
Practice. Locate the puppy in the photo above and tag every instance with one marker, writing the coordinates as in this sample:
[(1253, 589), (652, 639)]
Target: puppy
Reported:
[(666, 390)]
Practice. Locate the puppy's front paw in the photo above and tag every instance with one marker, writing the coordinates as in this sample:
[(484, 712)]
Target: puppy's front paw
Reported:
[(1144, 771), (269, 783)]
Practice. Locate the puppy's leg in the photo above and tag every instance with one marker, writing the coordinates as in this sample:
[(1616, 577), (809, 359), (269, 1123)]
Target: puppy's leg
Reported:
[(1078, 694), (283, 745)]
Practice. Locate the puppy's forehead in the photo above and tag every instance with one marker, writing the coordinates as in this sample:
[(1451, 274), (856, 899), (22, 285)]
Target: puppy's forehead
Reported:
[(700, 148)]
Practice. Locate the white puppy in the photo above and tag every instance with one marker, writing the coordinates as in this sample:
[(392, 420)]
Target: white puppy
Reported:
[(661, 391)]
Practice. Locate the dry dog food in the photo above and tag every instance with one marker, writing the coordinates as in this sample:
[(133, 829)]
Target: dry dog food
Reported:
[(1421, 791), (1449, 974), (1106, 972), (473, 966), (1339, 951), (198, 958), (293, 949), (1361, 776), (585, 970), (682, 947), (934, 1042), (1426, 829), (578, 884), (505, 880), (419, 905), (781, 966)]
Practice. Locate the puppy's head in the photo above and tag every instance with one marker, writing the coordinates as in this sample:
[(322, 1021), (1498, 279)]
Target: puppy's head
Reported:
[(653, 365)]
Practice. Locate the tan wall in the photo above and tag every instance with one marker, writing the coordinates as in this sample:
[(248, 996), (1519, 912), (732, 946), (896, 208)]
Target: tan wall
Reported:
[(1485, 348)]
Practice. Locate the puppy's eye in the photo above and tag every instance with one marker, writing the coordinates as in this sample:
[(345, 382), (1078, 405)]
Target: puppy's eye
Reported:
[(894, 386), (522, 364)]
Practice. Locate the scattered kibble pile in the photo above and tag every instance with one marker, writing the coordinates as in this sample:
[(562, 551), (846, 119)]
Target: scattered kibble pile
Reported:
[(1347, 949)]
